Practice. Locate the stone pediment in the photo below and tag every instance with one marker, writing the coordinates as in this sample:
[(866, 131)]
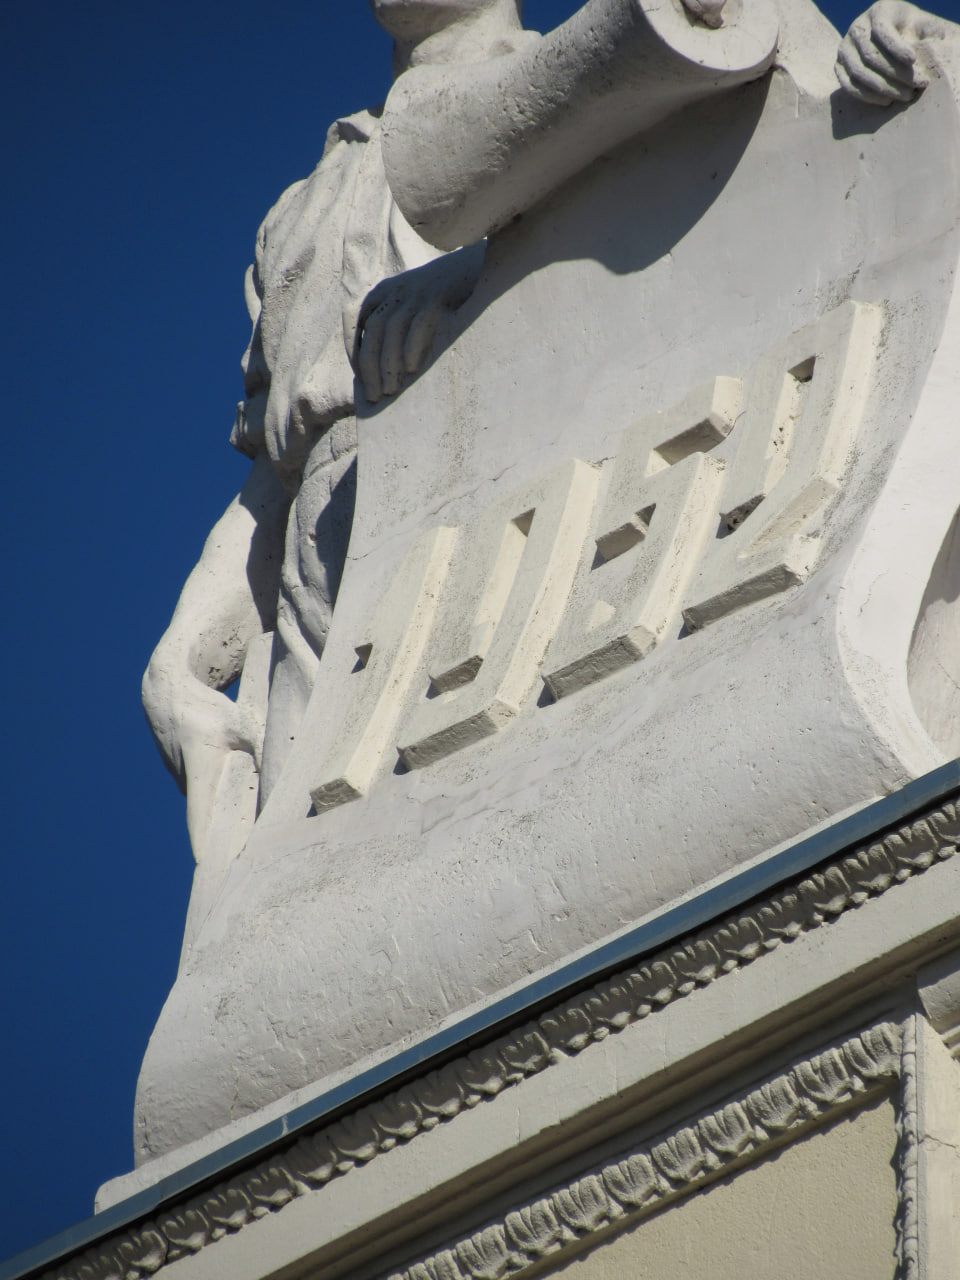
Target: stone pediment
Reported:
[(647, 576)]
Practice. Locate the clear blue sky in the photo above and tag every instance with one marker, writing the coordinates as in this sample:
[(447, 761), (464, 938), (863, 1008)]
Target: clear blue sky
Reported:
[(142, 144)]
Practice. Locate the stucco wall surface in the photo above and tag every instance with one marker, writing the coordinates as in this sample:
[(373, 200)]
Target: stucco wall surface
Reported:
[(823, 1206)]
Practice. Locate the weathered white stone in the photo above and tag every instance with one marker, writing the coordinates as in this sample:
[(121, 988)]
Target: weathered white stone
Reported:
[(688, 429), (787, 1002)]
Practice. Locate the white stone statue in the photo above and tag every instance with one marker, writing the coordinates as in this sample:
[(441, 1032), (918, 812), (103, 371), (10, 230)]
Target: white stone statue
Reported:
[(635, 322), (273, 561)]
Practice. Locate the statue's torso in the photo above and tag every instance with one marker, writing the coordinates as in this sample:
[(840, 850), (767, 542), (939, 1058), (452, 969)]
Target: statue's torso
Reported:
[(328, 240)]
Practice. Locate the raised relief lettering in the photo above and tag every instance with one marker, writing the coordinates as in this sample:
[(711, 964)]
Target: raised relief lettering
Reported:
[(539, 585), (507, 592), (388, 658), (660, 508), (805, 405)]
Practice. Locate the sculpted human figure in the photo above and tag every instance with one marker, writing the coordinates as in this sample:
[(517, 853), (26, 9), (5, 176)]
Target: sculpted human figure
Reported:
[(657, 468), (273, 560), (389, 194)]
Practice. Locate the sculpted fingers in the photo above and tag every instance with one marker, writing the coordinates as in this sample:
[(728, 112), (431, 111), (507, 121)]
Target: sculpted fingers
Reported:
[(385, 324), (873, 86), (882, 59), (392, 349), (898, 30), (889, 24), (401, 316), (420, 335), (870, 67), (873, 53), (856, 89), (373, 300), (368, 357)]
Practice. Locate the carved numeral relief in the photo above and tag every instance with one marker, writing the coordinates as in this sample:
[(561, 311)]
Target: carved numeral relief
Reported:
[(505, 602), (805, 404), (538, 586), (659, 510), (387, 660)]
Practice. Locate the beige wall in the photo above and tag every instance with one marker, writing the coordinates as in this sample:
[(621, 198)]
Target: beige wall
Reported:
[(820, 1208)]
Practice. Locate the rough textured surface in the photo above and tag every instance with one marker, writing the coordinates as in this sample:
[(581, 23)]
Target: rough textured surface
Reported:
[(642, 1179), (316, 1159), (655, 467)]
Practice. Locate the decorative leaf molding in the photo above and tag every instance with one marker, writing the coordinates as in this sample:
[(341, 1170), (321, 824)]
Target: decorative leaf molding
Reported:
[(676, 1164), (312, 1160)]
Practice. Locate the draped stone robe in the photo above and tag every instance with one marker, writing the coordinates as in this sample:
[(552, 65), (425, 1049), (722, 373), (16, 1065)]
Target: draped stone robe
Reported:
[(328, 240)]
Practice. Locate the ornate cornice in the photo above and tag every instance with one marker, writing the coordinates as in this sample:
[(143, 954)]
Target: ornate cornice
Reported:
[(641, 1180), (312, 1160)]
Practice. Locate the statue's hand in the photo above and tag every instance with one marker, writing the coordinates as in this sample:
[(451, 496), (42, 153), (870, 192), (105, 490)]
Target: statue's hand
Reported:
[(209, 728), (880, 59), (197, 729), (709, 12), (401, 316)]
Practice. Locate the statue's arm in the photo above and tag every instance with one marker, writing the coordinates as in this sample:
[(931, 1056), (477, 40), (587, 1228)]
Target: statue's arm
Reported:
[(229, 597), (467, 147)]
